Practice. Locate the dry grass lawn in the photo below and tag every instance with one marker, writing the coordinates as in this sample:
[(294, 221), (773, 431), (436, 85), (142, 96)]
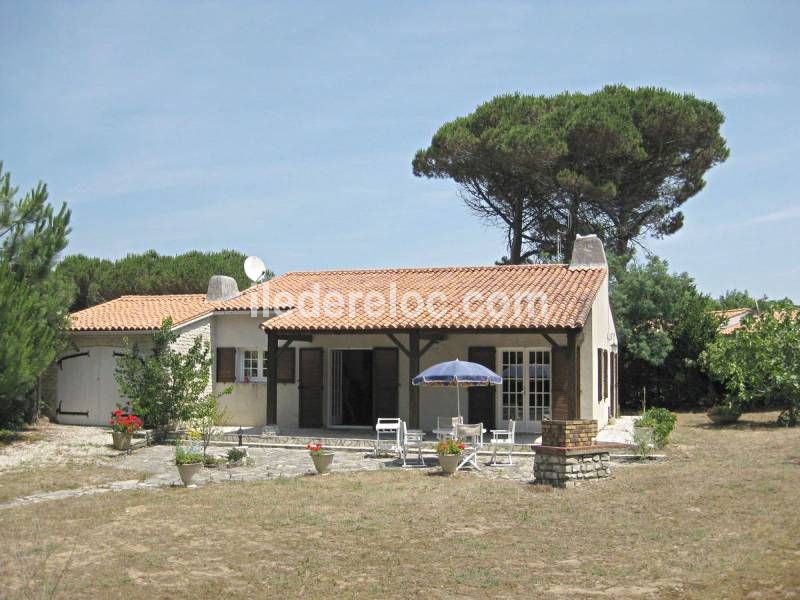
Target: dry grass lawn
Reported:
[(719, 519), (49, 478)]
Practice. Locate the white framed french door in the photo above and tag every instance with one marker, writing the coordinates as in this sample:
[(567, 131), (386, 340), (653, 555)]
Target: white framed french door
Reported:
[(526, 392)]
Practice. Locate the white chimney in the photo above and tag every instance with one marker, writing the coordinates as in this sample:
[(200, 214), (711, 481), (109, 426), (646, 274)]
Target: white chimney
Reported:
[(588, 252), (220, 288)]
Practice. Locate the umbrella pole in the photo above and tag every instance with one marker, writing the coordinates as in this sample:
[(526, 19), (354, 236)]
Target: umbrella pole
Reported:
[(458, 400)]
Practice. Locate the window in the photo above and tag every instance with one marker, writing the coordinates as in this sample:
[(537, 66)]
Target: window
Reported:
[(539, 385), (513, 385), (526, 389), (254, 365)]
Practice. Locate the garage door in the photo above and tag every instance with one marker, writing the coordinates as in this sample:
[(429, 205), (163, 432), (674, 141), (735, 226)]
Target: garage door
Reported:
[(87, 390)]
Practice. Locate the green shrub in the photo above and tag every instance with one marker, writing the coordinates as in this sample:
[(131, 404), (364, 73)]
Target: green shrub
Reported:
[(643, 442), (211, 461), (235, 455), (661, 420)]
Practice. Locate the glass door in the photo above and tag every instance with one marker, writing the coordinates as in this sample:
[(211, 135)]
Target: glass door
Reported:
[(525, 394)]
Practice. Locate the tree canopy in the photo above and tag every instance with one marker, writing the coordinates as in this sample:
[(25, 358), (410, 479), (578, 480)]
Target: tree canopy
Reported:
[(166, 386), (742, 299), (33, 303), (760, 363), (664, 324), (98, 280), (619, 163)]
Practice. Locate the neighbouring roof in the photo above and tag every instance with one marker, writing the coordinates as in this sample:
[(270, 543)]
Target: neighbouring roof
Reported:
[(732, 318), (561, 296), (568, 294)]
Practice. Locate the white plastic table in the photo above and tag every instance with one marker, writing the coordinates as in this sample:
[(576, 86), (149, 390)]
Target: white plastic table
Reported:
[(445, 432)]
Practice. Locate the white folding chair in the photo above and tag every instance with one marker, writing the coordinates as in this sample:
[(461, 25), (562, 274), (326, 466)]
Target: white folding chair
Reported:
[(390, 429), (472, 437), (449, 424), (411, 440), (503, 440)]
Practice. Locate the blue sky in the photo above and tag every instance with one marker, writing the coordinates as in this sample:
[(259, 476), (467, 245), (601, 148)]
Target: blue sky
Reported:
[(287, 129)]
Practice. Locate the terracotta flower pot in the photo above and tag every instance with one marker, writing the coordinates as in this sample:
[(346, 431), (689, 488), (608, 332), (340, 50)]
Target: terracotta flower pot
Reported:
[(187, 472), (121, 440), (322, 462), (449, 462)]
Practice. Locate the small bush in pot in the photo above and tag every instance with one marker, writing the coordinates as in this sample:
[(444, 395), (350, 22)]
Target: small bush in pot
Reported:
[(661, 421), (236, 456), (727, 412), (322, 458), (189, 460), (449, 452)]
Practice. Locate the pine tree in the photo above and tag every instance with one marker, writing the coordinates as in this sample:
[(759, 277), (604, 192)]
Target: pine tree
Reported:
[(33, 302)]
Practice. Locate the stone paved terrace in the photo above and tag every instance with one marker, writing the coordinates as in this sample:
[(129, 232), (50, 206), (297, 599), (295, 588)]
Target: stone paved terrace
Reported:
[(268, 463), (620, 432)]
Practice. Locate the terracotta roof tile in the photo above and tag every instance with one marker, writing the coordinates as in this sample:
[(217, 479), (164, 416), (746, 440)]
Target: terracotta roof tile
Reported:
[(133, 313), (561, 298)]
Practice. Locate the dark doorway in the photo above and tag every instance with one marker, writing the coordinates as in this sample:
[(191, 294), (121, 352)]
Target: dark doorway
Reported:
[(352, 388), (481, 405)]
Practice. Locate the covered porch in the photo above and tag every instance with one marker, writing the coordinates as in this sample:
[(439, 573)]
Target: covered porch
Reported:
[(346, 380)]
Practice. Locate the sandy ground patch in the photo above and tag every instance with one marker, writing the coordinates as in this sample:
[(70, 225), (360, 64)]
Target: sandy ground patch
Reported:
[(60, 444)]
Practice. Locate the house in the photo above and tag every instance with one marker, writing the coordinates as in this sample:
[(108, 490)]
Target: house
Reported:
[(339, 348)]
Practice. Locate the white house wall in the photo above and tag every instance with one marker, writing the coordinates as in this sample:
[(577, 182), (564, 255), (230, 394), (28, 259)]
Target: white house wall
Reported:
[(599, 333), (246, 405)]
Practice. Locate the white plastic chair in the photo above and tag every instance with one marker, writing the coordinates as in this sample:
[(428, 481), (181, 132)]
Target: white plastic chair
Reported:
[(391, 428), (472, 437), (503, 440), (411, 440), (449, 423)]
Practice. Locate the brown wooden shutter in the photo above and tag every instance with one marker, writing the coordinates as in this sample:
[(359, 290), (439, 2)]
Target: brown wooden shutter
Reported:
[(605, 374), (311, 387), (226, 365), (286, 362), (559, 382), (481, 404)]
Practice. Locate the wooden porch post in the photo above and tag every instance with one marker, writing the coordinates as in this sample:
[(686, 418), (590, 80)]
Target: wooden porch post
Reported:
[(272, 378), (413, 390), (573, 383)]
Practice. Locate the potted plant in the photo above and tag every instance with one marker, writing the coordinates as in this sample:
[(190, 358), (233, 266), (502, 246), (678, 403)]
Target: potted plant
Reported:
[(321, 457), (449, 452), (122, 429), (189, 460), (727, 412), (236, 456)]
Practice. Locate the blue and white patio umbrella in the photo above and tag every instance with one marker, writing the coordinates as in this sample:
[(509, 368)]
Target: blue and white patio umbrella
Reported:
[(457, 373)]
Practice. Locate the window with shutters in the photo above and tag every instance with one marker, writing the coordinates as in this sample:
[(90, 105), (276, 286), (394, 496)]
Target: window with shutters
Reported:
[(254, 365)]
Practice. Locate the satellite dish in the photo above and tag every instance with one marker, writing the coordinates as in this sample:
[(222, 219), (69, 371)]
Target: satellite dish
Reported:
[(255, 269)]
